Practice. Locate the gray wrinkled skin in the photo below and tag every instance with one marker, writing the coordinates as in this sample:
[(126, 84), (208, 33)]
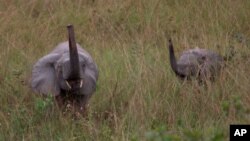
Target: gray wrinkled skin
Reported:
[(50, 72), (202, 62)]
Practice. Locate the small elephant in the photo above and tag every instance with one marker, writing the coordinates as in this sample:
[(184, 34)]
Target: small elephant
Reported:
[(68, 73), (201, 64)]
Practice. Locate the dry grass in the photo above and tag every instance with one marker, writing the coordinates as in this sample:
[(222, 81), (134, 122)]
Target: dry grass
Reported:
[(138, 97)]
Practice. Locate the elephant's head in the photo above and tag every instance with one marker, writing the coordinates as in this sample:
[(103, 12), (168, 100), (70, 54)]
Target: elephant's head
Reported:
[(68, 69), (65, 70)]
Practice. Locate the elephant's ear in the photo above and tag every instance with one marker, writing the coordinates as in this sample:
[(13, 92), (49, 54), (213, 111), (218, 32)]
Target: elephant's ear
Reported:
[(44, 75), (90, 74)]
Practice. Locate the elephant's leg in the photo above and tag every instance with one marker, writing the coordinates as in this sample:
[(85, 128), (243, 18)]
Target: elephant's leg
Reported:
[(60, 101), (64, 103), (81, 105)]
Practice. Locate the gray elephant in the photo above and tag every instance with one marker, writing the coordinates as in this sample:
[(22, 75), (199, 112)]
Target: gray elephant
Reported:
[(201, 64), (68, 73)]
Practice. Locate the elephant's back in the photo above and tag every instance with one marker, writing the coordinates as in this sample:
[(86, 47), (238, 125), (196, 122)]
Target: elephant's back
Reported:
[(200, 56)]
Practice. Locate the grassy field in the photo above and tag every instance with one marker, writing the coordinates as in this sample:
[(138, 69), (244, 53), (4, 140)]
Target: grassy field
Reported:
[(138, 96)]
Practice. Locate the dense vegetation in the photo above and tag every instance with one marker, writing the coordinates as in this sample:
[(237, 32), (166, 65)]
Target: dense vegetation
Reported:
[(138, 96)]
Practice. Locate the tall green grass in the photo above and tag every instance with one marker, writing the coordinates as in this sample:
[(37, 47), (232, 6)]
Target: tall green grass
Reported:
[(138, 96)]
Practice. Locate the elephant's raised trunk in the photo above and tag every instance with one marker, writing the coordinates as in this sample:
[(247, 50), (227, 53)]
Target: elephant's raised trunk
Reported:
[(74, 59), (173, 62)]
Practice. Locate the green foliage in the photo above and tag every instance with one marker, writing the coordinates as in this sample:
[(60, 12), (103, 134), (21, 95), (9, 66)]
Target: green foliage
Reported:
[(193, 135), (43, 104), (225, 107), (138, 96), (160, 134)]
